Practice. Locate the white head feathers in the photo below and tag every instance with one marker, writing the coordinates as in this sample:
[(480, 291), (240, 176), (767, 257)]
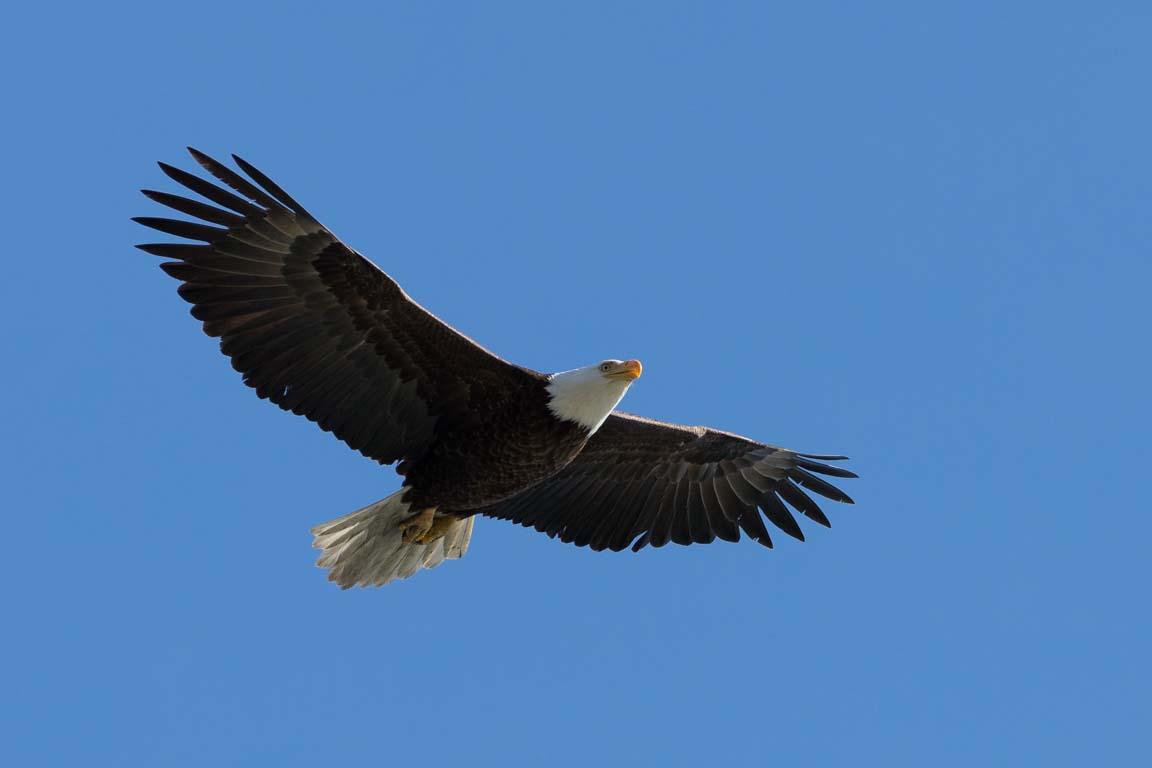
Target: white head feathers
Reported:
[(587, 395)]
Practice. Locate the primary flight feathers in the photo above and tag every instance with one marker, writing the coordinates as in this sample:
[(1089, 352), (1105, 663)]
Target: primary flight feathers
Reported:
[(319, 330)]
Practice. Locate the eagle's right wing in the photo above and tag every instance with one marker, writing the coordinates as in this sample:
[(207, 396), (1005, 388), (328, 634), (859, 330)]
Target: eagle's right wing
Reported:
[(314, 326)]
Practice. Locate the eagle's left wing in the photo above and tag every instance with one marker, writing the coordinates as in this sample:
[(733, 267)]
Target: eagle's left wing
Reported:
[(643, 482)]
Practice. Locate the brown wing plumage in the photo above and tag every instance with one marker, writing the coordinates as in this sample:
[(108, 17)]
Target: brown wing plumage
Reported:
[(642, 482), (314, 326)]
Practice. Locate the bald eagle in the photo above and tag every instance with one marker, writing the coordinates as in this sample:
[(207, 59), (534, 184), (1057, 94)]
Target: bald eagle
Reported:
[(321, 331)]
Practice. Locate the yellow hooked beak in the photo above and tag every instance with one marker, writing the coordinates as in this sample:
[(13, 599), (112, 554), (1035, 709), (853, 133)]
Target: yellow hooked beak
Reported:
[(629, 370)]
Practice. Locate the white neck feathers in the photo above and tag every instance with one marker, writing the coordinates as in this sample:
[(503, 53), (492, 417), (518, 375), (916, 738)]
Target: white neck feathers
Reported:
[(584, 396)]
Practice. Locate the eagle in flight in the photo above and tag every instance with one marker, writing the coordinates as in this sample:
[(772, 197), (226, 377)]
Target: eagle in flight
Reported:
[(321, 331)]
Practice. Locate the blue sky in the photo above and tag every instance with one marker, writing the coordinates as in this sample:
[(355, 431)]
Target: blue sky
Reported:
[(915, 234)]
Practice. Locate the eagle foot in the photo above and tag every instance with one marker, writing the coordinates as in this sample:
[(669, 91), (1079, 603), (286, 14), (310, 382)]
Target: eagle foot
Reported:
[(424, 527)]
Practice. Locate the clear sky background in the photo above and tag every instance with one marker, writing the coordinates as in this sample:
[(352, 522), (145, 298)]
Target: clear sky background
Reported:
[(915, 233)]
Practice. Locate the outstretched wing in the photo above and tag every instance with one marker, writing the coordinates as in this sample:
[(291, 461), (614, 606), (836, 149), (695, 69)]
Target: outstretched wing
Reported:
[(314, 326), (641, 482)]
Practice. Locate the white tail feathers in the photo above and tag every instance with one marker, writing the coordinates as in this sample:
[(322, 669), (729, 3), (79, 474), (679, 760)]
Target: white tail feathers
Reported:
[(365, 549)]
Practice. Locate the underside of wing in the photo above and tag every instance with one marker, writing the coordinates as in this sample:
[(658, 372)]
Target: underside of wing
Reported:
[(311, 324), (641, 482)]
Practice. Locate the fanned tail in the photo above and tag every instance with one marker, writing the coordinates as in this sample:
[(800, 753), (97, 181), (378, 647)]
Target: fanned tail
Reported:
[(365, 548)]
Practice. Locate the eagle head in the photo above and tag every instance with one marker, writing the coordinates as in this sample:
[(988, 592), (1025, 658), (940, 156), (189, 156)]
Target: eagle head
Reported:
[(587, 395)]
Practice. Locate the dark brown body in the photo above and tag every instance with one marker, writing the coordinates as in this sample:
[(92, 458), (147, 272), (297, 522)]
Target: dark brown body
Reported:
[(515, 444)]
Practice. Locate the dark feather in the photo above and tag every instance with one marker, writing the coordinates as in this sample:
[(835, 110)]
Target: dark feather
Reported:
[(203, 278), (273, 188), (753, 525), (179, 228), (720, 523), (573, 501), (182, 251), (825, 469), (802, 502), (618, 500), (212, 192), (699, 529), (628, 527), (822, 487), (661, 531), (581, 530), (732, 505), (220, 310), (234, 180), (645, 517), (747, 493), (779, 515), (195, 208)]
